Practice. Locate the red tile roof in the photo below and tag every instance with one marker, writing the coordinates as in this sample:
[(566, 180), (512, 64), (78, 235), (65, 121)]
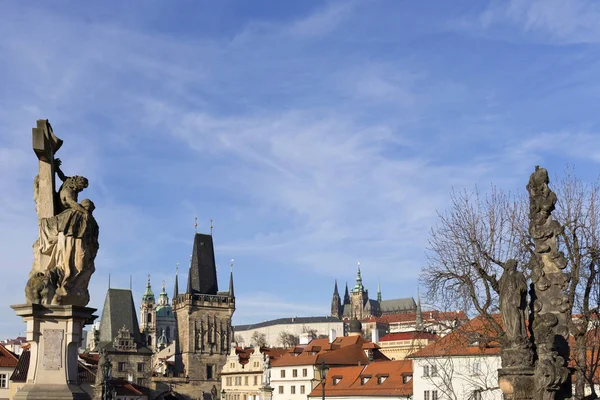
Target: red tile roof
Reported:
[(7, 357), (477, 337), (385, 378), (345, 350)]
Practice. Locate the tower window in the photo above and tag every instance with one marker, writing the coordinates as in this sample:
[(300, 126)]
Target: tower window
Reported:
[(149, 340), (149, 318), (210, 371)]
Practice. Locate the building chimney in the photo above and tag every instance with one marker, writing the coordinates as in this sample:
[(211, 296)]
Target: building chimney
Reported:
[(304, 338), (332, 335), (375, 335)]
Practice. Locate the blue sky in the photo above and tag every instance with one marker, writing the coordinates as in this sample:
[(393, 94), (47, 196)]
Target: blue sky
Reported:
[(314, 133)]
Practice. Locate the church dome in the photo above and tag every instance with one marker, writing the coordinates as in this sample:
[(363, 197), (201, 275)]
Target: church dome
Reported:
[(164, 311), (355, 326), (162, 341), (164, 308)]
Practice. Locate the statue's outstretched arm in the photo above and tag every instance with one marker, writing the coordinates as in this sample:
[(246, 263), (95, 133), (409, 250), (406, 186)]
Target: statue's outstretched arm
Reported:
[(57, 164)]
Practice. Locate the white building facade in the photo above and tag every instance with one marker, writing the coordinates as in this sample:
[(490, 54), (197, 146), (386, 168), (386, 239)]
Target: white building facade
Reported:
[(294, 382), (472, 377)]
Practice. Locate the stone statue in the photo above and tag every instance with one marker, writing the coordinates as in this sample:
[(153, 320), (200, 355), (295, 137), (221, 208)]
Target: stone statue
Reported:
[(266, 378), (67, 244), (551, 308), (513, 301)]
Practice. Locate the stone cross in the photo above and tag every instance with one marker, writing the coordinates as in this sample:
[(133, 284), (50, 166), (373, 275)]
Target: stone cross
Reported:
[(45, 145)]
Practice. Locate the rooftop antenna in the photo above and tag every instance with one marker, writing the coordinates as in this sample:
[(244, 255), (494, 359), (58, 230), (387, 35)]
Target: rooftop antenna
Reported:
[(195, 224), (211, 226)]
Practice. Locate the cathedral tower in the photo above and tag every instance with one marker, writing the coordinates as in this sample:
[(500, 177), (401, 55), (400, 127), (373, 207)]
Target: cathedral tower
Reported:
[(203, 316), (336, 305), (358, 297)]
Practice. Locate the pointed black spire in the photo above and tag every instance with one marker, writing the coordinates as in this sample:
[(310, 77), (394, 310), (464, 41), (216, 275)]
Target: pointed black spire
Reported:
[(176, 288), (336, 306), (231, 280), (189, 290), (346, 295), (203, 270)]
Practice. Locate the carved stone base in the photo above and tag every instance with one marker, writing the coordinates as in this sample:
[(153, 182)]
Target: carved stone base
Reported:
[(266, 392), (54, 333), (516, 382)]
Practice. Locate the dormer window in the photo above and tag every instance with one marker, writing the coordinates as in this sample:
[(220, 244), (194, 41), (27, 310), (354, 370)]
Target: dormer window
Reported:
[(381, 379), (336, 380), (364, 380)]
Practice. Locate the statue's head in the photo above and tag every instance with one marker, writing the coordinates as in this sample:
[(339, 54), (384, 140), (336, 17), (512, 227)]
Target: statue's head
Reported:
[(77, 182), (511, 264), (88, 205)]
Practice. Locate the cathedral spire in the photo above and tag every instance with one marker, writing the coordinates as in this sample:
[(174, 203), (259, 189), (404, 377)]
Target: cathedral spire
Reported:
[(231, 279), (346, 295), (336, 306), (359, 286), (378, 291)]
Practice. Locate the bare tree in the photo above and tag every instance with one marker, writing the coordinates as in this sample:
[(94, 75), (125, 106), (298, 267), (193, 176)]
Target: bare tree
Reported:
[(478, 234), (238, 339), (287, 339), (258, 339), (312, 333)]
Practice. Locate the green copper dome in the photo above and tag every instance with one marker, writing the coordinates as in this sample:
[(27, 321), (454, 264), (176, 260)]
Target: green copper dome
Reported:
[(148, 296)]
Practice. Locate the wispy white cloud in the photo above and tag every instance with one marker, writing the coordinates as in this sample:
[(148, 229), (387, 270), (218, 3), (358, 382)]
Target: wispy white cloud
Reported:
[(323, 21), (566, 21)]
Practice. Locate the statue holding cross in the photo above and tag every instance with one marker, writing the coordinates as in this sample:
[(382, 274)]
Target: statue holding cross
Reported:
[(67, 244)]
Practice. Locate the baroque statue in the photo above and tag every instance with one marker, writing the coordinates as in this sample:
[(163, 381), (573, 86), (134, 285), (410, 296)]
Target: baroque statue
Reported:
[(67, 242)]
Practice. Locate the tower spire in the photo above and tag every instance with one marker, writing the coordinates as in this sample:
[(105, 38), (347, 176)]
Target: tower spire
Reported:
[(419, 316), (231, 294), (176, 288), (359, 286), (148, 295), (346, 295), (378, 291)]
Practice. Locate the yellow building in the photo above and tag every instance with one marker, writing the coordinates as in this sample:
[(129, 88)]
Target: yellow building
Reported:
[(397, 346)]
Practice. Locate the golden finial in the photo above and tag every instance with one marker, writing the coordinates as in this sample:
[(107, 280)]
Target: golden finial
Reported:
[(211, 226), (195, 224), (231, 265), (176, 268)]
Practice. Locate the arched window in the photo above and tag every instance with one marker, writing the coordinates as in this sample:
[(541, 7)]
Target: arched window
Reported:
[(149, 340), (168, 333), (149, 318)]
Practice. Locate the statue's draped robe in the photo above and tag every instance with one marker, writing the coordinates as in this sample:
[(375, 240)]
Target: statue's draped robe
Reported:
[(70, 242)]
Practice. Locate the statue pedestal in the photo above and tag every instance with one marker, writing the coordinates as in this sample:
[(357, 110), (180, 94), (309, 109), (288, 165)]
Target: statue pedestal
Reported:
[(54, 333), (516, 382), (266, 393)]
